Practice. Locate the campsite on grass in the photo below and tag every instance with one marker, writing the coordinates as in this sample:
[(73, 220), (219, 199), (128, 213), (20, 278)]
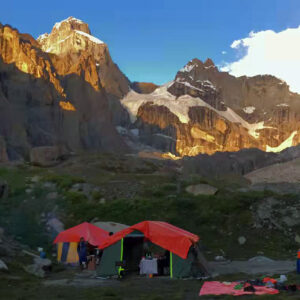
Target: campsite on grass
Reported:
[(156, 253)]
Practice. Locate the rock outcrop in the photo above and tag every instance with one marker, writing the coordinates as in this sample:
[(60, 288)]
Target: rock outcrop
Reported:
[(143, 87), (201, 189), (47, 156)]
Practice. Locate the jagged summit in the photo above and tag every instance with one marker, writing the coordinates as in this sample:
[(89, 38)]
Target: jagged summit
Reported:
[(197, 63), (68, 35), (68, 24), (72, 23), (209, 63)]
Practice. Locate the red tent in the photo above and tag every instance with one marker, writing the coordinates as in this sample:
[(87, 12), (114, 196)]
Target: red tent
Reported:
[(91, 233), (162, 234)]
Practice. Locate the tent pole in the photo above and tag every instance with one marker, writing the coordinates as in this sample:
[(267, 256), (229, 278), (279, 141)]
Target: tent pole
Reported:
[(121, 258), (122, 249), (171, 264)]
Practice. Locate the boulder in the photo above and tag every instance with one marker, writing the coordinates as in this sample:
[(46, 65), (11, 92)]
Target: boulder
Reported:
[(297, 239), (102, 201), (35, 270), (242, 240), (220, 258), (47, 155), (39, 267), (201, 189), (52, 196), (35, 179), (3, 266), (50, 185)]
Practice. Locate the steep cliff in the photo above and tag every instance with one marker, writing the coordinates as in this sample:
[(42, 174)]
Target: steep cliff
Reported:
[(50, 99)]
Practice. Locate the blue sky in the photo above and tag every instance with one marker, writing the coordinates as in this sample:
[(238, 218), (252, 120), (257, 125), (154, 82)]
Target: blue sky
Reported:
[(151, 40)]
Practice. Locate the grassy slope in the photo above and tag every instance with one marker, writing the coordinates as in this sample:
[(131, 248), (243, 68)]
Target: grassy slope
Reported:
[(219, 220)]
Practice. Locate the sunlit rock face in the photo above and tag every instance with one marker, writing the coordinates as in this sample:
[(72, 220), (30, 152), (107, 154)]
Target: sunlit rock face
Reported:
[(77, 51), (204, 111), (53, 99), (22, 51), (69, 33)]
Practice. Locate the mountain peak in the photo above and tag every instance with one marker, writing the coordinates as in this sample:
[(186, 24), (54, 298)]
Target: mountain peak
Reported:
[(72, 23), (70, 35), (209, 63)]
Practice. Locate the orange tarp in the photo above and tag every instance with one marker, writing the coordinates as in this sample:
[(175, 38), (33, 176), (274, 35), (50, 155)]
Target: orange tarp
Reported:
[(91, 233), (165, 235)]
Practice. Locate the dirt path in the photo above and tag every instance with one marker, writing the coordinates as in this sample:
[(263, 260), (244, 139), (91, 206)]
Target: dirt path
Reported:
[(255, 266), (83, 282)]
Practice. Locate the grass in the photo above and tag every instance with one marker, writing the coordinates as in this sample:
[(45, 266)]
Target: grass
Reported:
[(64, 181), (132, 288), (219, 220)]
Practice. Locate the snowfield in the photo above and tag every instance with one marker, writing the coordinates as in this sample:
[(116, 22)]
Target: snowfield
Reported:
[(90, 37), (180, 107), (285, 144)]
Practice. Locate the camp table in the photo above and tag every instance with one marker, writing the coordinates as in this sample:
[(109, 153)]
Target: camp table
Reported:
[(148, 266)]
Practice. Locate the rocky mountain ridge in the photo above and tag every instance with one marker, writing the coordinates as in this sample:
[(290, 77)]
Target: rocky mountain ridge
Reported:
[(64, 90), (204, 110)]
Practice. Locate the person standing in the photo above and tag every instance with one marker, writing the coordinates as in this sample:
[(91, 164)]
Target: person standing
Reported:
[(82, 253), (298, 261)]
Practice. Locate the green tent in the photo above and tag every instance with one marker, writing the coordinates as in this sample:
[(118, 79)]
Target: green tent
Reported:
[(127, 246)]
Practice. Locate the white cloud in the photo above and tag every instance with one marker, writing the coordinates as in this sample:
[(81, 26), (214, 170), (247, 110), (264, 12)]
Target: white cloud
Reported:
[(269, 52), (224, 52)]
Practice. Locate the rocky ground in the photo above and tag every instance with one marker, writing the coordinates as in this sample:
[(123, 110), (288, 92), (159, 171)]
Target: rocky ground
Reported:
[(281, 172)]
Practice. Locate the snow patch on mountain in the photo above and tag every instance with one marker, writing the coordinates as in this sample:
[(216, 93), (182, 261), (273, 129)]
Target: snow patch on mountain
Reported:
[(90, 37), (232, 116), (283, 105), (190, 86), (58, 24), (285, 144), (249, 109), (187, 68), (209, 67), (209, 84), (180, 107), (42, 37)]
